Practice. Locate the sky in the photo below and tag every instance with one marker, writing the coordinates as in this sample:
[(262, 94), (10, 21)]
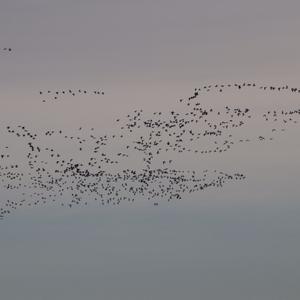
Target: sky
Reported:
[(238, 242)]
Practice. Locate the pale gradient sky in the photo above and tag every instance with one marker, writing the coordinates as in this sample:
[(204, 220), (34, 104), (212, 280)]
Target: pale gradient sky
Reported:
[(238, 243)]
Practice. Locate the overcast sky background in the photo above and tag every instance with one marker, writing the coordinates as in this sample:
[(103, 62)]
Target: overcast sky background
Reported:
[(239, 242)]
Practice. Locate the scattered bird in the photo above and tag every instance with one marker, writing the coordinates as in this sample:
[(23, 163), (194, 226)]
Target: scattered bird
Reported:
[(6, 49)]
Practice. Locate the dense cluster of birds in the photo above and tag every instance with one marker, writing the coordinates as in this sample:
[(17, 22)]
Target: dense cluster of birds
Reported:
[(139, 159), (55, 95)]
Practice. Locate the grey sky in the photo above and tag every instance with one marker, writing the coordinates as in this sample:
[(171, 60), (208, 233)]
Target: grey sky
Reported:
[(241, 242)]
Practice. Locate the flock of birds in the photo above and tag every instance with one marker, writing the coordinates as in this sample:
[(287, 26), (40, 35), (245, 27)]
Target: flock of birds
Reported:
[(138, 160), (55, 95)]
